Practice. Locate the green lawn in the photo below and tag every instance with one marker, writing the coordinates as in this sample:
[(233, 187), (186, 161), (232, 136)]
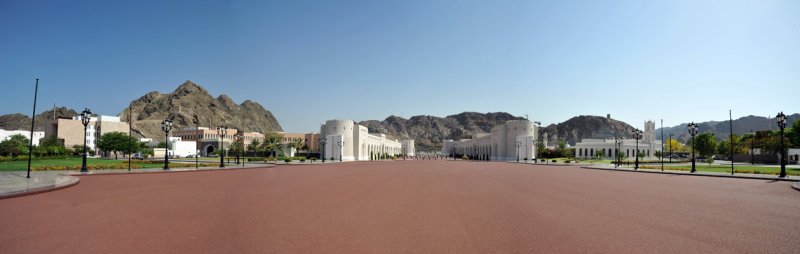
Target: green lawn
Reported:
[(727, 169), (76, 162)]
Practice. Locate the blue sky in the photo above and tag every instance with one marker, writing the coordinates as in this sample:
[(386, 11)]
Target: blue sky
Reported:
[(308, 61)]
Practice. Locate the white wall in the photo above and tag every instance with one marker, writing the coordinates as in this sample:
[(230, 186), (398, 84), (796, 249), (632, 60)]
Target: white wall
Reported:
[(37, 135)]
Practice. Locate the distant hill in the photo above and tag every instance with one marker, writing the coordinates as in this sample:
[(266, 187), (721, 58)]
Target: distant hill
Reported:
[(721, 129), (23, 122), (582, 127), (429, 131), (192, 105)]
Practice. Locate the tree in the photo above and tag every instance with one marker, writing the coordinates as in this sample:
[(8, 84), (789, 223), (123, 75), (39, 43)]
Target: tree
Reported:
[(272, 143), (254, 146), (600, 153), (53, 146), (794, 134), (15, 145), (739, 147), (658, 154), (236, 147), (114, 142), (298, 144), (675, 146), (705, 144)]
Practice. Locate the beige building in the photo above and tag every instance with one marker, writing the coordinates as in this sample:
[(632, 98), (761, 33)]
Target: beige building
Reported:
[(70, 131), (208, 140), (348, 141)]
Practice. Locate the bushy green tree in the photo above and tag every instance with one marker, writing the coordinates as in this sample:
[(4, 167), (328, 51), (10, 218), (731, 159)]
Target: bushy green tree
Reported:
[(15, 145), (705, 144), (794, 134), (272, 143), (114, 142)]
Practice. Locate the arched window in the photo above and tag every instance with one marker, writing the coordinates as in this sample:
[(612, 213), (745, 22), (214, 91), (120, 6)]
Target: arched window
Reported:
[(591, 152), (580, 152)]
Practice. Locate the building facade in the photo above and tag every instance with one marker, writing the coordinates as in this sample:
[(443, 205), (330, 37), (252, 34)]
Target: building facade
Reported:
[(37, 135), (208, 140), (515, 139), (608, 149), (70, 131), (347, 141)]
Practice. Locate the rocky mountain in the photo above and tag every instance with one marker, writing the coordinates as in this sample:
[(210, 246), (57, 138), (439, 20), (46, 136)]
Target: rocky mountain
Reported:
[(23, 122), (191, 105), (429, 131), (721, 129), (581, 127)]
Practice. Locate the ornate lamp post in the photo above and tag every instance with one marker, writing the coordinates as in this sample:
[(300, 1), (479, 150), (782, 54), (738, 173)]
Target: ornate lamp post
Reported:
[(619, 142), (781, 119), (222, 131), (322, 143), (166, 126), (239, 138), (85, 117), (519, 144), (637, 134), (693, 131)]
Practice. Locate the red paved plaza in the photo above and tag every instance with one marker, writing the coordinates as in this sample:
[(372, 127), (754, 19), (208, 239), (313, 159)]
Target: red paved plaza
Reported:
[(406, 207)]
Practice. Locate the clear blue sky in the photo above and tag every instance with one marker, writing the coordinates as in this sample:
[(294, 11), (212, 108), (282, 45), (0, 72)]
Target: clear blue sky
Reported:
[(308, 61)]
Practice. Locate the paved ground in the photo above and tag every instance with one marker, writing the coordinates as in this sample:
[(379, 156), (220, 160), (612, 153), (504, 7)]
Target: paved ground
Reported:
[(406, 207)]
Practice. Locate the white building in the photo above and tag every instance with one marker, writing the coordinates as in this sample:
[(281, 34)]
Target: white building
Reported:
[(179, 148), (408, 147), (509, 141), (347, 141), (37, 135), (606, 148)]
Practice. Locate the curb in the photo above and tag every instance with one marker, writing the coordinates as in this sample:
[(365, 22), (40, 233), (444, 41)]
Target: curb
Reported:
[(73, 181), (796, 186), (699, 174)]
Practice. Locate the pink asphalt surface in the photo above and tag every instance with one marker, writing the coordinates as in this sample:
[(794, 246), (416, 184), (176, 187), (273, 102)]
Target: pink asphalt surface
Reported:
[(406, 207)]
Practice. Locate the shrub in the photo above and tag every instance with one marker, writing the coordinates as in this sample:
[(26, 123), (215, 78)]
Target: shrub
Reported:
[(464, 157), (302, 159), (287, 160), (567, 161), (543, 160), (554, 161)]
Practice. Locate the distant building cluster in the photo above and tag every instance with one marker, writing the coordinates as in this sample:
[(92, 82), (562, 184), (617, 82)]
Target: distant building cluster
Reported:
[(515, 139), (344, 140), (70, 131), (608, 148)]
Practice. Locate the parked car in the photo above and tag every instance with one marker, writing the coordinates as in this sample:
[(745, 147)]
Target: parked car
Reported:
[(137, 156)]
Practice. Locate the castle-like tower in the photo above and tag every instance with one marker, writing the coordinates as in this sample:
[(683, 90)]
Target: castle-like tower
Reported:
[(649, 131)]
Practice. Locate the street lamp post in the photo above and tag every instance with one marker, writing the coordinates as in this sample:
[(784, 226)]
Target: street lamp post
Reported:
[(239, 137), (619, 149), (322, 142), (85, 117), (693, 131), (519, 144), (781, 118), (637, 134), (752, 148), (166, 126), (222, 131)]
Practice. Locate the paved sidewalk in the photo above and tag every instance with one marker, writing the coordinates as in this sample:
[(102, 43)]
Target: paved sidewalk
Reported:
[(14, 183), (698, 173)]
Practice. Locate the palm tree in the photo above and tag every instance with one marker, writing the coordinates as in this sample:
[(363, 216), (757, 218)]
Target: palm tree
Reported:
[(272, 142), (254, 146), (298, 144)]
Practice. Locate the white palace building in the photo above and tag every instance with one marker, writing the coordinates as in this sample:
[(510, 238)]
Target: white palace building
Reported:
[(344, 140), (606, 148), (516, 139)]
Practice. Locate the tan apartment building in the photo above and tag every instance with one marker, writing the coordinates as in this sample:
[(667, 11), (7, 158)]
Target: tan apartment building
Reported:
[(71, 133)]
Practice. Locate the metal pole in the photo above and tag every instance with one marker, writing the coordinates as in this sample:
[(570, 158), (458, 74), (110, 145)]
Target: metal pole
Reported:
[(637, 151), (130, 136), (752, 149), (783, 156), (730, 115), (166, 152), (662, 144), (670, 148), (33, 120), (83, 165)]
